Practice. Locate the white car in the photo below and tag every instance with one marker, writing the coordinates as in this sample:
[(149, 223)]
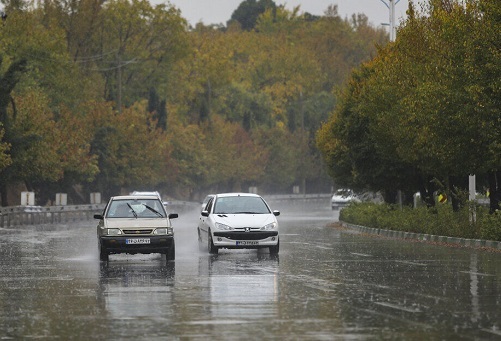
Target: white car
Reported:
[(238, 221), (166, 203), (342, 197), (135, 224)]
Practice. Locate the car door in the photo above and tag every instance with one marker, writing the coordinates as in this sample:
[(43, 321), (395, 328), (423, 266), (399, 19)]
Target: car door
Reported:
[(203, 222)]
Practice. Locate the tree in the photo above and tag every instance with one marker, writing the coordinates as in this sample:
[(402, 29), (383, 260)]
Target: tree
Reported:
[(137, 46), (5, 159), (131, 150), (355, 155), (248, 12), (8, 82), (423, 103)]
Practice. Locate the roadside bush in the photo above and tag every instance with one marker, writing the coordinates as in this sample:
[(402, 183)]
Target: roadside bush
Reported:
[(490, 226), (440, 220)]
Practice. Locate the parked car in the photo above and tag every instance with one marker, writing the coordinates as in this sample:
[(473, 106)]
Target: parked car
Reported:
[(342, 197), (206, 200), (135, 224), (238, 221)]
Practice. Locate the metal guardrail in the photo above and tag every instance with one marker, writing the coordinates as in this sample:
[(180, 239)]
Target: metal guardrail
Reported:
[(38, 215), (295, 200)]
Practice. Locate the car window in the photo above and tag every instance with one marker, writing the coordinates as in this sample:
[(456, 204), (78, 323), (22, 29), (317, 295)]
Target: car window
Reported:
[(206, 200), (208, 207), (240, 205), (138, 208)]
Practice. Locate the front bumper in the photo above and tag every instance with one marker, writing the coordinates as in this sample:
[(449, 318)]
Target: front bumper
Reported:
[(118, 244), (245, 240)]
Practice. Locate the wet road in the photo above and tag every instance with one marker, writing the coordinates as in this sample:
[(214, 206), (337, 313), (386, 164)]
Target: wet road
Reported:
[(326, 284)]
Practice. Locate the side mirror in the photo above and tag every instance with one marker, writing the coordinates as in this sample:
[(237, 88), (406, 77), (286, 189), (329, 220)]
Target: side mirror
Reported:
[(276, 213), (98, 216), (205, 213), (173, 215)]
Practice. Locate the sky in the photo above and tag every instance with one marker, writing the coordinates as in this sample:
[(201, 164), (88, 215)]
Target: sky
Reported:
[(219, 11)]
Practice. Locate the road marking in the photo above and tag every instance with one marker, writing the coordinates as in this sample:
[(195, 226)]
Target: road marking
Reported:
[(323, 247), (410, 263), (492, 331), (360, 254), (398, 307), (475, 273)]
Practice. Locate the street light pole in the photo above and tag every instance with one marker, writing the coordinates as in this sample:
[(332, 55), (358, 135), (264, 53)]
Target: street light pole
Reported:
[(391, 7)]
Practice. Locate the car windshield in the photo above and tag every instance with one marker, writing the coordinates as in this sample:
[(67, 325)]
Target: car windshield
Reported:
[(344, 192), (136, 208), (240, 205)]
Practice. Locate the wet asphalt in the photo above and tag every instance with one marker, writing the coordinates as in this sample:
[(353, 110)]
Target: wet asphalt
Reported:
[(327, 283)]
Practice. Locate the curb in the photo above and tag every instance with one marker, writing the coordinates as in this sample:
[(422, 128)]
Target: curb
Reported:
[(424, 237)]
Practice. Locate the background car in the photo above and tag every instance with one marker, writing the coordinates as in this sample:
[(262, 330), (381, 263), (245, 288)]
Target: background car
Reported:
[(166, 203), (135, 224), (342, 197), (238, 221)]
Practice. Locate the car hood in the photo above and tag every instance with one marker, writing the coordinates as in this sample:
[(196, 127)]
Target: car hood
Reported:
[(136, 223), (244, 220)]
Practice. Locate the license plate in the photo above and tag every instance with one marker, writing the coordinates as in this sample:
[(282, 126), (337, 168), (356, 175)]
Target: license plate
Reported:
[(245, 243), (138, 241)]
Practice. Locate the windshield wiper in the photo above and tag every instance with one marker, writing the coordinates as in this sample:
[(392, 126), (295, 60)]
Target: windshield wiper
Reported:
[(153, 210), (133, 212)]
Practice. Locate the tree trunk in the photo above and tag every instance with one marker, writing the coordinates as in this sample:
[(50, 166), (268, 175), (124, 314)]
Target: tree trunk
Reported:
[(458, 186), (390, 196), (494, 191), (3, 194)]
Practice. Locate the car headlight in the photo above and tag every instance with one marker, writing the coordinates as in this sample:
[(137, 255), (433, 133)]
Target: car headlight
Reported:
[(270, 226), (220, 226), (163, 231), (113, 232)]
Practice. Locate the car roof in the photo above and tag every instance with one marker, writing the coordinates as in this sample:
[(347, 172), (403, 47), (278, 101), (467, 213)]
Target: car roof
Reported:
[(236, 194), (134, 197), (145, 193)]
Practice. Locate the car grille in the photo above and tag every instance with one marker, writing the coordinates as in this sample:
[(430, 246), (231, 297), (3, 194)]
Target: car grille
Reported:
[(246, 235), (137, 231)]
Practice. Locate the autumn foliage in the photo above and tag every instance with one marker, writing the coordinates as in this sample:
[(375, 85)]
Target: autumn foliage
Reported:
[(119, 95)]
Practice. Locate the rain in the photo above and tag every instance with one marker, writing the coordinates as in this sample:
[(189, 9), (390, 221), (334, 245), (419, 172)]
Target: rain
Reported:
[(327, 283)]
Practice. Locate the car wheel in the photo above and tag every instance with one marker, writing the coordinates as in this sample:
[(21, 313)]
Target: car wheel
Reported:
[(200, 241), (212, 248), (171, 252), (103, 254), (274, 249)]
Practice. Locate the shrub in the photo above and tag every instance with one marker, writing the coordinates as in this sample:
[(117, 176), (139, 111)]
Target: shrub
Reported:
[(440, 220)]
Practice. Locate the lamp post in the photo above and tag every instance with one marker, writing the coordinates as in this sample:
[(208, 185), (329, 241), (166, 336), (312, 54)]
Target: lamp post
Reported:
[(391, 6)]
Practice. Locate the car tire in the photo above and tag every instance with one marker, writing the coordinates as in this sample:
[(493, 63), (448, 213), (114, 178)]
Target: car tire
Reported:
[(212, 248), (171, 252), (103, 254), (201, 246), (274, 249)]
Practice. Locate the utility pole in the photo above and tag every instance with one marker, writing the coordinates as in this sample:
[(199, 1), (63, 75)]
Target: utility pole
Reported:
[(119, 96), (391, 6)]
